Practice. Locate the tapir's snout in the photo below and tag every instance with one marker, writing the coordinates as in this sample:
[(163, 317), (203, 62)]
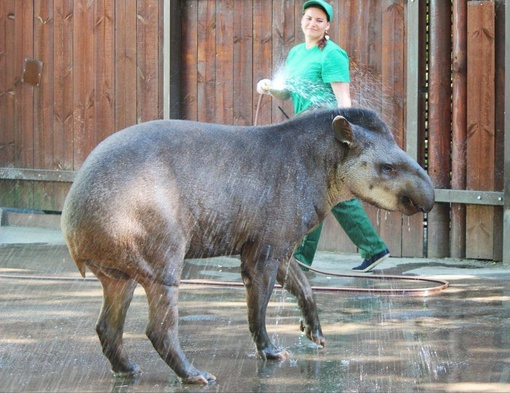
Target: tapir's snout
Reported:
[(419, 198)]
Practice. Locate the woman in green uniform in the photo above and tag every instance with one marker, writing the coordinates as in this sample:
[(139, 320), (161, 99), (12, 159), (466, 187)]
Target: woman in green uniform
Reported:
[(317, 75)]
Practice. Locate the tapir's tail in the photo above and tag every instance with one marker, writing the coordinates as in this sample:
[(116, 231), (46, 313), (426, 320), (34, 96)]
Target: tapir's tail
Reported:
[(81, 263), (81, 267)]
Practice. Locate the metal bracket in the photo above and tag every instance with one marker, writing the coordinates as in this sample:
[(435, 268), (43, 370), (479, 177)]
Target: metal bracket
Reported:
[(468, 197)]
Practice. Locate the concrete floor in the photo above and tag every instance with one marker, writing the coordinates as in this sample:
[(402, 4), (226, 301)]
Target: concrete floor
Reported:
[(455, 341)]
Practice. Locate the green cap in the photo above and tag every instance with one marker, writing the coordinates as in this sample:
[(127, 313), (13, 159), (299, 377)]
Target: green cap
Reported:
[(321, 3)]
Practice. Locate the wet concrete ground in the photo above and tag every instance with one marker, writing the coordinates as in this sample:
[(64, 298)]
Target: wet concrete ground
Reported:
[(455, 341)]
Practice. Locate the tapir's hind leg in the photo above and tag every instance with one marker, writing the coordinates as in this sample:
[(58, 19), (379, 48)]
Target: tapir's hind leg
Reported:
[(162, 330), (117, 296)]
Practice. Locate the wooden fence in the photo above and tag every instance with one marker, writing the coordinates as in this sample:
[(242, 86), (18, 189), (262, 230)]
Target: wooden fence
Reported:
[(104, 64), (100, 72)]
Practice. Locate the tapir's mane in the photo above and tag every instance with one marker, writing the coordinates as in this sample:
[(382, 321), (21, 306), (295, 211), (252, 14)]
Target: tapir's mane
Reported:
[(363, 117)]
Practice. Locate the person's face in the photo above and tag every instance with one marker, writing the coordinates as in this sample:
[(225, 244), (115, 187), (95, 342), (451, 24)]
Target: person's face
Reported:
[(314, 23)]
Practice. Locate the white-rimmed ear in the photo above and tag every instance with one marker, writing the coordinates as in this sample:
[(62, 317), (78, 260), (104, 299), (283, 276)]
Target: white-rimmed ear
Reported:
[(343, 130)]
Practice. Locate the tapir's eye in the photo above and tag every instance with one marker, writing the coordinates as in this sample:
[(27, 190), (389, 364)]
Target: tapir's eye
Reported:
[(387, 168)]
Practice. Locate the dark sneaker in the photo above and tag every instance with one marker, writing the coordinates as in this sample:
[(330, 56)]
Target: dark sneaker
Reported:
[(369, 264)]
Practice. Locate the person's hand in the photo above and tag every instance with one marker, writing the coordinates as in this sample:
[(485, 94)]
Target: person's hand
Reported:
[(264, 86)]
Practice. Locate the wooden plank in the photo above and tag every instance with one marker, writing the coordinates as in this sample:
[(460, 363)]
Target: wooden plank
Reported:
[(459, 97), (83, 80), (24, 14), (499, 153), (243, 82), (370, 65), (392, 106), (147, 60), (44, 155), (413, 227), (7, 83), (7, 134), (206, 97), (104, 48), (44, 103), (283, 40), (63, 135), (24, 93), (125, 64), (263, 56), (189, 71), (480, 125), (439, 122), (224, 61)]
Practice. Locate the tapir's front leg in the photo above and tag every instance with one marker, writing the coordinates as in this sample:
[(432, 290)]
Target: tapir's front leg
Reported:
[(292, 278), (258, 271)]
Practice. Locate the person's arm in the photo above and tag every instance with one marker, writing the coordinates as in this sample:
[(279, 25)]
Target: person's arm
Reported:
[(280, 94), (265, 87), (342, 94)]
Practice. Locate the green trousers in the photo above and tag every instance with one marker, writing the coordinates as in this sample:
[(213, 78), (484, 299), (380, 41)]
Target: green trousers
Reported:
[(352, 218)]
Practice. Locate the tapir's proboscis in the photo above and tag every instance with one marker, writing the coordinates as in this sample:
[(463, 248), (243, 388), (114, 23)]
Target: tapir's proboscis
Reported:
[(154, 194)]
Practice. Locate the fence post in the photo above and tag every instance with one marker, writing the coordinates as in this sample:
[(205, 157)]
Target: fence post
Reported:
[(459, 126), (506, 207), (439, 123)]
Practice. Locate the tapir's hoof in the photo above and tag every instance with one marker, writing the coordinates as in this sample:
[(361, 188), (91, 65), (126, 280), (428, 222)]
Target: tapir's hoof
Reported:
[(201, 378), (315, 336), (132, 371), (273, 354)]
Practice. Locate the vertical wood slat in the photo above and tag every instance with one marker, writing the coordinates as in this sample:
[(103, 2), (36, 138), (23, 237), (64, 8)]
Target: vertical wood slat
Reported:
[(480, 125), (60, 82), (262, 55), (125, 63), (44, 152), (63, 133), (206, 58), (224, 61), (24, 14), (392, 112), (8, 148), (413, 227), (147, 60), (104, 48), (459, 96), (83, 80), (439, 122), (500, 20), (43, 34), (283, 38), (24, 93), (189, 70), (7, 81), (243, 60)]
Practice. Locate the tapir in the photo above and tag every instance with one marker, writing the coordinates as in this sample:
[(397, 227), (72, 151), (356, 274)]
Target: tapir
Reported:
[(156, 193)]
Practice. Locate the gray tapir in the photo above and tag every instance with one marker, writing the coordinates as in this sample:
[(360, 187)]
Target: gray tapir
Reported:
[(159, 192)]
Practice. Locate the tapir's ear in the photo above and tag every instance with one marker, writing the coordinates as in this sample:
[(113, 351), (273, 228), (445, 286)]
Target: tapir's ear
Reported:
[(343, 130)]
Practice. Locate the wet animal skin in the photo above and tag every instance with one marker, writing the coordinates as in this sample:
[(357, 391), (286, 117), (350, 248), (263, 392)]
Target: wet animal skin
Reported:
[(156, 193)]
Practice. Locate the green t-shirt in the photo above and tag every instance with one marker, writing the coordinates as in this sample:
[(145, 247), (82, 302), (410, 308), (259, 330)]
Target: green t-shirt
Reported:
[(309, 73)]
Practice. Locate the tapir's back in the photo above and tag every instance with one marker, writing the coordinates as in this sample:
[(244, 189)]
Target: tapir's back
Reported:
[(155, 176)]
